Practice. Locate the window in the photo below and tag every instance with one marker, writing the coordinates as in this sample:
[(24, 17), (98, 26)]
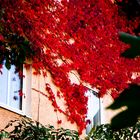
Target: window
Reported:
[(10, 85), (94, 110)]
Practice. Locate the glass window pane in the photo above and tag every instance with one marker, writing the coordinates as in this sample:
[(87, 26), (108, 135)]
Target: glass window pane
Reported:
[(10, 85), (93, 113), (15, 86), (3, 85)]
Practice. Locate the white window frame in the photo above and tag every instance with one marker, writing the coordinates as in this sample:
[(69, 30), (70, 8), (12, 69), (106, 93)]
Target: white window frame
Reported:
[(26, 98), (91, 94)]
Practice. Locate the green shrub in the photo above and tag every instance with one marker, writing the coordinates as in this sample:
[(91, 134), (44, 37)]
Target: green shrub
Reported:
[(26, 129), (105, 132)]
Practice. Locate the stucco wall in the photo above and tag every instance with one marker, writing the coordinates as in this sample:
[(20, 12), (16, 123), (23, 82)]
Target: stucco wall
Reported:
[(107, 114), (41, 108), (6, 116)]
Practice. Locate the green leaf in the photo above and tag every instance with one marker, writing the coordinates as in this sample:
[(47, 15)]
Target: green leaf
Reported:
[(130, 97), (131, 52), (130, 39), (7, 64), (134, 41), (124, 119)]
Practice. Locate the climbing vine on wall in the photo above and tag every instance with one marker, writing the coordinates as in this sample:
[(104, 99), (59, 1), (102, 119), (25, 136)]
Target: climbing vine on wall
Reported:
[(83, 36)]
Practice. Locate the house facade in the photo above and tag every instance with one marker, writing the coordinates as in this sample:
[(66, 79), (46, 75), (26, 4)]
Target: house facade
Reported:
[(33, 102)]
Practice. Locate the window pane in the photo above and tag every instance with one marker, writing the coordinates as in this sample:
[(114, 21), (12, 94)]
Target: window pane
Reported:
[(93, 113), (15, 86), (3, 85), (10, 85)]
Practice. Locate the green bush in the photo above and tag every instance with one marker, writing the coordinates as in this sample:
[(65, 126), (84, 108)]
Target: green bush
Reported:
[(26, 129), (105, 132)]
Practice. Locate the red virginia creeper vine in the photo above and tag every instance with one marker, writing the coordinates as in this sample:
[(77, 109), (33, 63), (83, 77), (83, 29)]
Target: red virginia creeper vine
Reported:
[(83, 34)]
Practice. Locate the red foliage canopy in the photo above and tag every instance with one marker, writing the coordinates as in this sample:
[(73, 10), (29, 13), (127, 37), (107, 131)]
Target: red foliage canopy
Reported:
[(83, 34)]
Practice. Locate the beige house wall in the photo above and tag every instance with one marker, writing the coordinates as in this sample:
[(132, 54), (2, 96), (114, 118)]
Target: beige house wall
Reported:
[(108, 114), (39, 107), (42, 108)]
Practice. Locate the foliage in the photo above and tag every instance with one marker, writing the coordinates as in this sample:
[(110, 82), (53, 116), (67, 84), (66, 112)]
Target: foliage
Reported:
[(26, 129), (74, 35), (130, 7), (3, 134), (14, 50), (105, 132), (130, 97), (134, 41)]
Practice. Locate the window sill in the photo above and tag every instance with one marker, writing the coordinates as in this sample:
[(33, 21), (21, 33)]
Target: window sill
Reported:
[(14, 110)]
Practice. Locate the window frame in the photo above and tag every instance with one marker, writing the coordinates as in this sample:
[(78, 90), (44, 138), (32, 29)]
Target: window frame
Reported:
[(26, 98), (92, 120)]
